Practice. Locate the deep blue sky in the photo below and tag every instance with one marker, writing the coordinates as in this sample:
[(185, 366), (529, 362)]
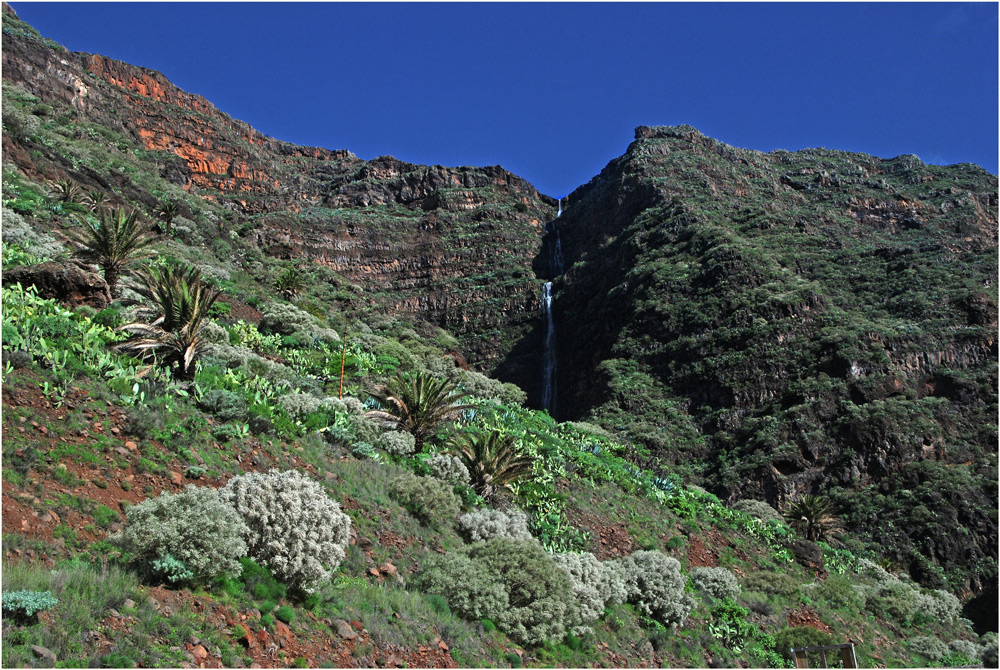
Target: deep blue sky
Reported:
[(554, 91)]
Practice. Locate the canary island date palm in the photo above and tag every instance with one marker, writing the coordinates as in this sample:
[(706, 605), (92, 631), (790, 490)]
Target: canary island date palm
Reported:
[(813, 518), (494, 460), (174, 316), (166, 212), (114, 241), (417, 403)]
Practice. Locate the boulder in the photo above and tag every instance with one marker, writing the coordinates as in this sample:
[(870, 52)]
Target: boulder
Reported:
[(66, 282)]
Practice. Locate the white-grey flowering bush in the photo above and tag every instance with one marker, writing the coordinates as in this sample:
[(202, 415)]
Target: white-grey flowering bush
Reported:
[(295, 528), (17, 231), (928, 646), (759, 509), (485, 523), (513, 583), (213, 333), (970, 650), (655, 585), (870, 568), (990, 655), (195, 527), (717, 583), (285, 319), (448, 468), (397, 443), (299, 405), (939, 605), (590, 582)]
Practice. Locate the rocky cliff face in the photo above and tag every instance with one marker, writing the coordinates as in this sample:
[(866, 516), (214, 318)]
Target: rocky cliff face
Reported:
[(452, 246), (792, 322)]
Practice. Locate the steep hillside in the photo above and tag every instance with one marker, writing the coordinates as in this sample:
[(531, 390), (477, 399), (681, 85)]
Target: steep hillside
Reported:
[(782, 323), (451, 246)]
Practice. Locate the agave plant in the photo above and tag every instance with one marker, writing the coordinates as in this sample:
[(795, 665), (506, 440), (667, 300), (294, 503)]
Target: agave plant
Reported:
[(97, 202), (66, 193), (114, 241), (813, 518), (418, 404), (177, 310), (493, 460)]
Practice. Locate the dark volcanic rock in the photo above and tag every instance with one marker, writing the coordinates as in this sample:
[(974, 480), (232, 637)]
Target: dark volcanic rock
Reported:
[(66, 282)]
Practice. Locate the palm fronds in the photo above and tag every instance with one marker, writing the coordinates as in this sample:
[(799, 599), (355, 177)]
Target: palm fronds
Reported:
[(178, 306), (113, 242), (813, 518), (493, 460), (418, 404)]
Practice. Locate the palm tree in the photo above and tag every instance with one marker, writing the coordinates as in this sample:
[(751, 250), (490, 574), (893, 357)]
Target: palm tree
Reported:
[(167, 212), (290, 283), (493, 460), (114, 242), (813, 518), (66, 193), (418, 404), (178, 305)]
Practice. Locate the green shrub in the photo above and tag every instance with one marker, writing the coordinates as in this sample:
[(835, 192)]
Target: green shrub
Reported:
[(766, 581), (716, 583), (839, 592), (929, 647), (760, 510), (224, 405), (654, 584), (194, 527), (295, 528), (486, 523), (429, 500), (892, 600), (172, 569), (285, 614), (513, 583)]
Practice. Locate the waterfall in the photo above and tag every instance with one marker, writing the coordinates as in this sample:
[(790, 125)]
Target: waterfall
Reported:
[(549, 359), (555, 251), (559, 213)]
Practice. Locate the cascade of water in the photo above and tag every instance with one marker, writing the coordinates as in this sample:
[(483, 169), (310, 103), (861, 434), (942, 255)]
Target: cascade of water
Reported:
[(559, 213), (549, 362), (555, 251)]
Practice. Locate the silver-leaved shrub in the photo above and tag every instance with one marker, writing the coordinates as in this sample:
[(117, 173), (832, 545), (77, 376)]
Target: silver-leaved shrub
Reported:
[(194, 527), (447, 468), (295, 529), (397, 443), (514, 583), (717, 583), (655, 585), (594, 587), (486, 523)]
